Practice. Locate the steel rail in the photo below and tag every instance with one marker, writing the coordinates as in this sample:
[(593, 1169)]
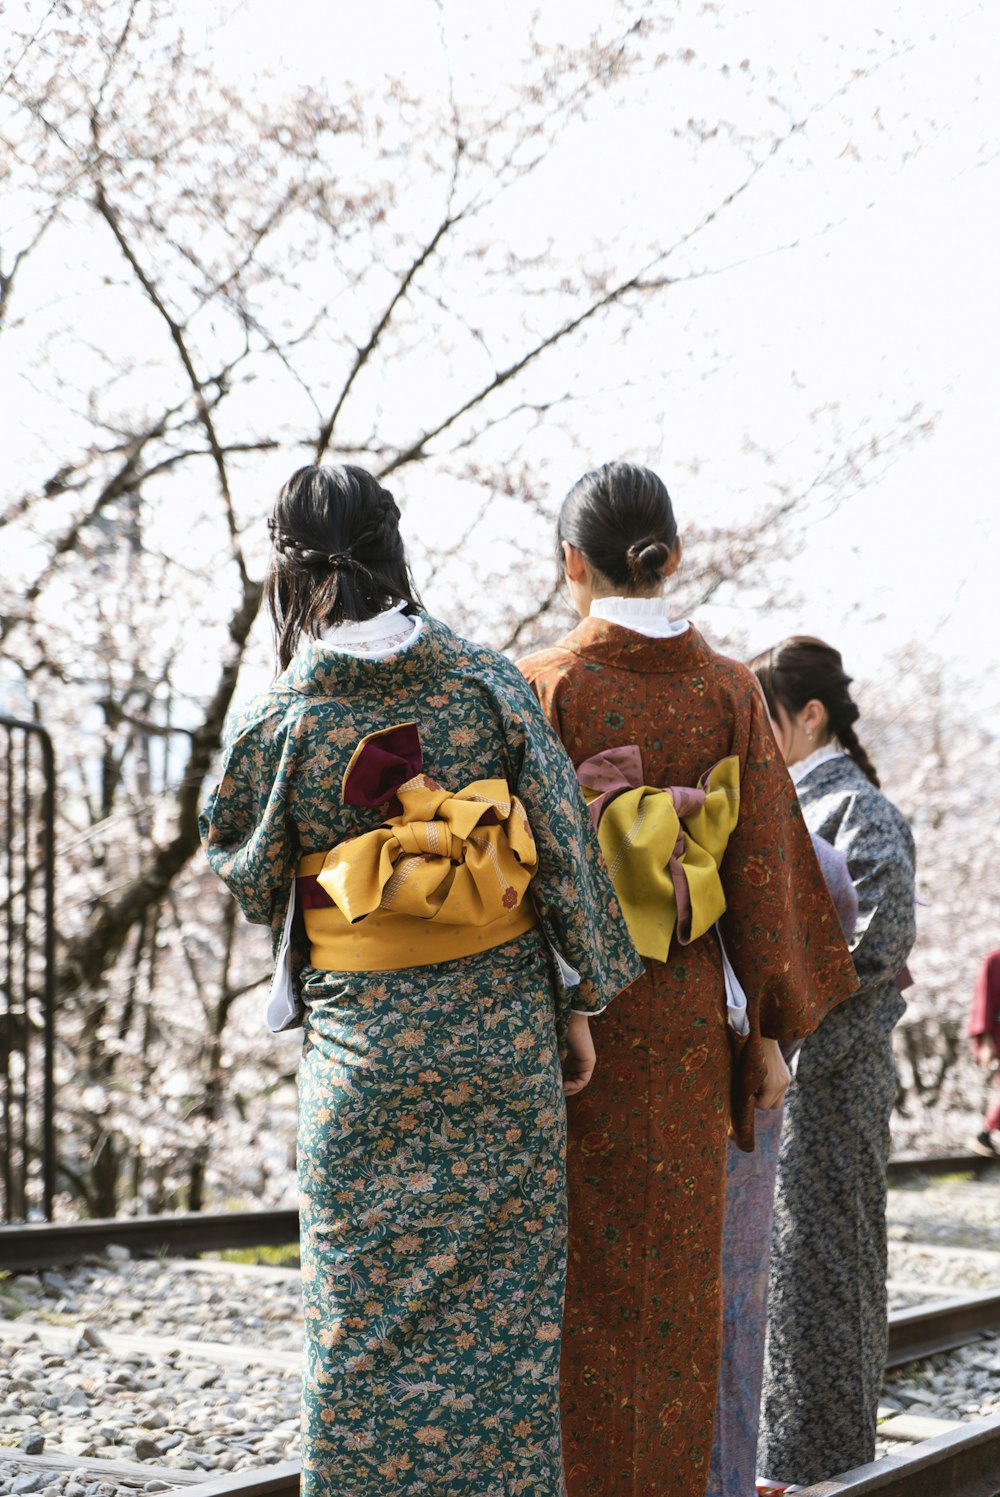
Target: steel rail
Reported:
[(264, 1481), (907, 1166), (962, 1463), (25, 1246), (30, 1245), (921, 1330)]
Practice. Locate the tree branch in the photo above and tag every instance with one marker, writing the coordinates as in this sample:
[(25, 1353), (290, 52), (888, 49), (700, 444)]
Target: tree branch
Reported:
[(180, 343), (364, 353), (89, 954)]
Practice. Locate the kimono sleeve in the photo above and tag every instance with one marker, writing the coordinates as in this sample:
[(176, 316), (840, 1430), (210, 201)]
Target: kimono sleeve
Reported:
[(878, 846), (781, 928), (245, 826), (576, 904), (837, 877)]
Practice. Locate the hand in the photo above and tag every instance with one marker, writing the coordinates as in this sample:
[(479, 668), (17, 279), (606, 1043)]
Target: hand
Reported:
[(581, 1057), (986, 1051), (776, 1082)]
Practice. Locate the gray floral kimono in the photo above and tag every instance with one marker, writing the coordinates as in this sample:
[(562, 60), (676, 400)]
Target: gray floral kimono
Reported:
[(827, 1325)]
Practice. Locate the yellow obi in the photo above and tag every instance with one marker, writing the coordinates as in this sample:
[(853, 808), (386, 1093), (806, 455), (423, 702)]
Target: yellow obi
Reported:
[(445, 878), (663, 847)]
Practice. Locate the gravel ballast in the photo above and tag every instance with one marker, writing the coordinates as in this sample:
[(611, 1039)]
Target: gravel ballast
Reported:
[(189, 1368)]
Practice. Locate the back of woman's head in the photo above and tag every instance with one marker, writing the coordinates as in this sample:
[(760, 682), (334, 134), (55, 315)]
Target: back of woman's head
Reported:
[(803, 669), (338, 556), (621, 518)]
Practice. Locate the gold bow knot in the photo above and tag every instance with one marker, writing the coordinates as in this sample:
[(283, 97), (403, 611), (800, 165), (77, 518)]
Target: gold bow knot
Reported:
[(663, 847), (464, 857)]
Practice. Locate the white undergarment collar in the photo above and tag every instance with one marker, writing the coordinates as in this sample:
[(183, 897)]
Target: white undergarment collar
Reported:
[(386, 633), (646, 616)]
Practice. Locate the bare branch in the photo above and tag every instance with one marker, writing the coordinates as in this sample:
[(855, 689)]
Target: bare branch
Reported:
[(363, 354), (197, 386)]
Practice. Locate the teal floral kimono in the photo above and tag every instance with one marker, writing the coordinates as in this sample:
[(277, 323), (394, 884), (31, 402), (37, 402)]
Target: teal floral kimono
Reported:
[(431, 1134)]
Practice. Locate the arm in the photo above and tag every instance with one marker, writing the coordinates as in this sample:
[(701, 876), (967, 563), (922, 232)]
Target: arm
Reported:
[(581, 1057), (576, 904), (781, 929), (878, 847), (777, 1078), (245, 826)]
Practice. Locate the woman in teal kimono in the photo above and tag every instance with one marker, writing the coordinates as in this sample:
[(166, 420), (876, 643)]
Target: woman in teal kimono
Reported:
[(398, 811)]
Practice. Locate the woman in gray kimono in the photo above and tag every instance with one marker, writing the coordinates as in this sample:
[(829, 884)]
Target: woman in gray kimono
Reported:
[(827, 1316)]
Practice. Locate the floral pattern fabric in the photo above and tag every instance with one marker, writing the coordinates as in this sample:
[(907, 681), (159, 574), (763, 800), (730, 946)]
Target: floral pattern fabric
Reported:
[(431, 1117), (828, 1264), (746, 1257), (647, 1138)]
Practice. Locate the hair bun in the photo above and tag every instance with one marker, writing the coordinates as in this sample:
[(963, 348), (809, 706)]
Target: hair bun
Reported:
[(646, 559)]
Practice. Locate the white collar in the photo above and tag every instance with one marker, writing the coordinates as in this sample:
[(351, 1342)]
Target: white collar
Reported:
[(812, 761), (384, 634), (646, 616)]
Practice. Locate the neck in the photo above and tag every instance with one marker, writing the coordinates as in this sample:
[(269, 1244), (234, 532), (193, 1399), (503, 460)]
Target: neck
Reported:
[(806, 751)]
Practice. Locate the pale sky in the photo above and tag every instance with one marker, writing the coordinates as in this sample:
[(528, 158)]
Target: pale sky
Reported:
[(893, 306), (768, 359)]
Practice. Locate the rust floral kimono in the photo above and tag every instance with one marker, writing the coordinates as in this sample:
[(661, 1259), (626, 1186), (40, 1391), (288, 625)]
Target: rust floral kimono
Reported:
[(431, 1117), (647, 1139)]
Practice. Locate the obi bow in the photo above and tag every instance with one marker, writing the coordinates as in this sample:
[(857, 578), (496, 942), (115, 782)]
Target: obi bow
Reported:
[(663, 847), (463, 857)]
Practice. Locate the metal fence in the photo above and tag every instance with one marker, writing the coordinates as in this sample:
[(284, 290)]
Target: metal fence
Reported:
[(27, 971)]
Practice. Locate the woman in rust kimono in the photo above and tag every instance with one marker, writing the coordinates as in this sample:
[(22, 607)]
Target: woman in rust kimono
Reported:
[(722, 893)]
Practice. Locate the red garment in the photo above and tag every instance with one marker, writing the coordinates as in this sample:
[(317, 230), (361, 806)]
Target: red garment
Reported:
[(647, 1138), (992, 1119), (985, 1016)]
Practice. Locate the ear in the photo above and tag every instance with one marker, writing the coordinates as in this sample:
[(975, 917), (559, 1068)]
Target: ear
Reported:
[(813, 718), (675, 557), (575, 563)]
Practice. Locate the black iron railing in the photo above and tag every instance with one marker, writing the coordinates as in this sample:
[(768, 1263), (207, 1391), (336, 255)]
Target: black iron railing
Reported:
[(27, 971)]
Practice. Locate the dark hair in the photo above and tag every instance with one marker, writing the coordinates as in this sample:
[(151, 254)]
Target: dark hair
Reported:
[(802, 669), (621, 518), (338, 556)]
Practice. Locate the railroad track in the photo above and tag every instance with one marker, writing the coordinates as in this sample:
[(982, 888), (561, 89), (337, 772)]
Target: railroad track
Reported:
[(955, 1461), (27, 1246), (968, 1455), (961, 1463)]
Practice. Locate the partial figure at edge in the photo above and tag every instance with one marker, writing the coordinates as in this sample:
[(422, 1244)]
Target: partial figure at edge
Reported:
[(748, 1222), (984, 1032)]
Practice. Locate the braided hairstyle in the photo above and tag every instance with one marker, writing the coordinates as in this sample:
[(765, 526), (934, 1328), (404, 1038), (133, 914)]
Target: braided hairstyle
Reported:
[(803, 669), (621, 518), (338, 556)]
